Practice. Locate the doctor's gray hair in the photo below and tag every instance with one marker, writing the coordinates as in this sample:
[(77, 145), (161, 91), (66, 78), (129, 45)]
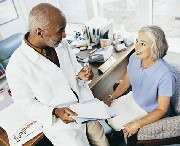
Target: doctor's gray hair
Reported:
[(40, 16), (159, 43)]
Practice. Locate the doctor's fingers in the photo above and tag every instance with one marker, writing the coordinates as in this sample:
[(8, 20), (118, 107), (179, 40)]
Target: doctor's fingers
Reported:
[(89, 75), (64, 112), (87, 68), (68, 119), (69, 112)]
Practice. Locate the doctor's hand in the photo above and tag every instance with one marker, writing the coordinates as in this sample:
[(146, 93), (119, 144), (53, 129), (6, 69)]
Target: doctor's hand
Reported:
[(86, 73), (64, 114)]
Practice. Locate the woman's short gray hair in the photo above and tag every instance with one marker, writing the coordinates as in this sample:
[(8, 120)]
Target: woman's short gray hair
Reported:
[(159, 46), (40, 16)]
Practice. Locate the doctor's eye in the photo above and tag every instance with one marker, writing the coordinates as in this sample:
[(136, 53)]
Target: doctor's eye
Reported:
[(60, 31)]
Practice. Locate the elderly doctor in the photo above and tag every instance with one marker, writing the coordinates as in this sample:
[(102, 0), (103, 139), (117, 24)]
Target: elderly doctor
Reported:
[(42, 78)]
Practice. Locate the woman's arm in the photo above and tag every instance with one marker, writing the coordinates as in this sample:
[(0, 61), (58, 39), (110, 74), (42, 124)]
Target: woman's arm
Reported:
[(121, 88), (163, 105)]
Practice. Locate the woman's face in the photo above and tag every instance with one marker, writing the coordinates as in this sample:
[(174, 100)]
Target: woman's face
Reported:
[(143, 46)]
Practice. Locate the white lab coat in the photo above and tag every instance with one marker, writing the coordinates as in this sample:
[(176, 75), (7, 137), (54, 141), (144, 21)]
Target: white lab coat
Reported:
[(38, 85)]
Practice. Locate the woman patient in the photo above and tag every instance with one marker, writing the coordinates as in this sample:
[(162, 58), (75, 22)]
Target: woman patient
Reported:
[(151, 78)]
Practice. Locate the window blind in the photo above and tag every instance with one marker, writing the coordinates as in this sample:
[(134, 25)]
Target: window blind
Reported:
[(74, 10)]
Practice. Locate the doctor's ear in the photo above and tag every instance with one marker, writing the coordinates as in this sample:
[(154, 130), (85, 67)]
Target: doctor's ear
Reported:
[(39, 33)]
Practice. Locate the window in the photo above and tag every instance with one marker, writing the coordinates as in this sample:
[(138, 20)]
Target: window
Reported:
[(133, 14), (166, 13), (126, 13), (77, 12), (74, 10)]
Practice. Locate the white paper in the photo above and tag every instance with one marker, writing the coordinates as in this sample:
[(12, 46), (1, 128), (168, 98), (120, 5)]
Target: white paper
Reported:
[(128, 111), (18, 125), (91, 110)]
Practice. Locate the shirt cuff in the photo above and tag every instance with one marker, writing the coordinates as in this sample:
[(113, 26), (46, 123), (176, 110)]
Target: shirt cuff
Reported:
[(83, 83)]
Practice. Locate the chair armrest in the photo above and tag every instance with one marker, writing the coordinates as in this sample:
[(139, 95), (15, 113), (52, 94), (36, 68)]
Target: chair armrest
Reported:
[(163, 128)]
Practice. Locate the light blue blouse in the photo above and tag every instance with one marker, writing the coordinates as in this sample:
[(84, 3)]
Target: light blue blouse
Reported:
[(147, 84)]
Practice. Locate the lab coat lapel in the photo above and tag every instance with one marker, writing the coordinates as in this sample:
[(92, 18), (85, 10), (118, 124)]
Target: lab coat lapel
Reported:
[(47, 77), (68, 65), (60, 86)]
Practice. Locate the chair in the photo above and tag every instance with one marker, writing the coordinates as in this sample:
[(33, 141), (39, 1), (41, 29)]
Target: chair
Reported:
[(166, 130), (8, 46)]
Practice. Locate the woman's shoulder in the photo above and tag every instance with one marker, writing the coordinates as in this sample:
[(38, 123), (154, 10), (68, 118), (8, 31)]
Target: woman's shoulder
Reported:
[(166, 69), (165, 66)]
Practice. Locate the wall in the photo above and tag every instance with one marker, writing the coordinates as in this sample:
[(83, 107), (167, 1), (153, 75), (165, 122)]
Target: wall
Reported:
[(174, 44), (19, 25), (15, 26)]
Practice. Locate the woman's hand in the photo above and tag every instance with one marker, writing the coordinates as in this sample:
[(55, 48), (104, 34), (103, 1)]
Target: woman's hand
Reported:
[(64, 114), (108, 100), (86, 73), (131, 128)]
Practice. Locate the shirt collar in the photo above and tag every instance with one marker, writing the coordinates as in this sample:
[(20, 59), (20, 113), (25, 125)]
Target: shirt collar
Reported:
[(61, 44), (137, 63), (155, 65)]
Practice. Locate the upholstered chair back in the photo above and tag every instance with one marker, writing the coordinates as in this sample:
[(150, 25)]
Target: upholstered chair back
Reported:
[(8, 46), (174, 60)]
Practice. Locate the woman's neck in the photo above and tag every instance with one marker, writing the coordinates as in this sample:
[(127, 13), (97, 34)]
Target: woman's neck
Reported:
[(146, 63)]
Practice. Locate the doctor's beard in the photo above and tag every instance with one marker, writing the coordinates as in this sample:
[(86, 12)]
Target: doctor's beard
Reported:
[(52, 43)]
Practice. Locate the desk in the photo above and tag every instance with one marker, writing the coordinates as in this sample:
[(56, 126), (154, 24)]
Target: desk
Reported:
[(5, 142), (101, 85)]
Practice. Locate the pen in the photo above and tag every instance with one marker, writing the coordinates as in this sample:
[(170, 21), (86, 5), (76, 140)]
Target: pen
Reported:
[(92, 51), (86, 64)]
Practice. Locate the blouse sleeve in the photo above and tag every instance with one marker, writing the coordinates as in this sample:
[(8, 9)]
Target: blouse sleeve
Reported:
[(166, 85)]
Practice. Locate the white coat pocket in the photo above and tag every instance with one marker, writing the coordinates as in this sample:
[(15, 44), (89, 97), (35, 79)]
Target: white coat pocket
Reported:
[(43, 92)]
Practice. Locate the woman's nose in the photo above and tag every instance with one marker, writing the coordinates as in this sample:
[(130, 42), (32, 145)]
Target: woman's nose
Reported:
[(136, 46)]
